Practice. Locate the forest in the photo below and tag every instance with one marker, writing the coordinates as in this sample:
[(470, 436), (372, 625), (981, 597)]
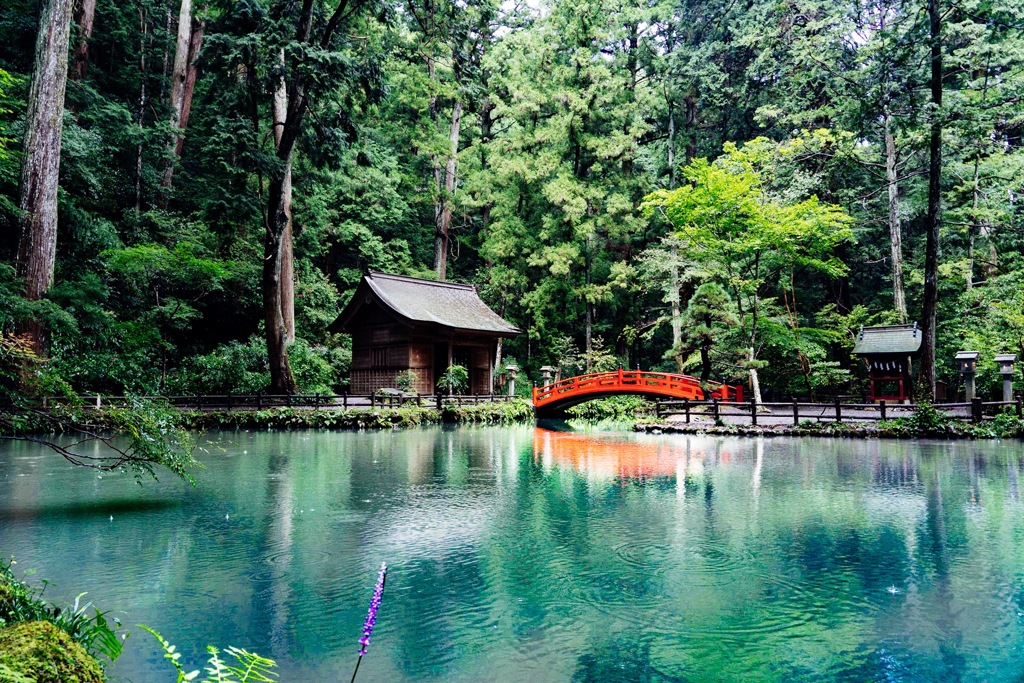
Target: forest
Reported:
[(191, 189)]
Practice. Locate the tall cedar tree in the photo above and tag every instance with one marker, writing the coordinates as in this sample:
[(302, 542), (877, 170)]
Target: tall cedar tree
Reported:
[(40, 170)]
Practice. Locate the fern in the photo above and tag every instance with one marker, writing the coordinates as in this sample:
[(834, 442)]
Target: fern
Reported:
[(249, 668)]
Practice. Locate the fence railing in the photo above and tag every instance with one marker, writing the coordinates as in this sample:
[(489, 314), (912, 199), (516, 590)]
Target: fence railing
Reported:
[(795, 412), (264, 401)]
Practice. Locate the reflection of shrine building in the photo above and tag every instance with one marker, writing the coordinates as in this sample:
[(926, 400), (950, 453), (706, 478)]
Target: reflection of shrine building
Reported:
[(888, 350)]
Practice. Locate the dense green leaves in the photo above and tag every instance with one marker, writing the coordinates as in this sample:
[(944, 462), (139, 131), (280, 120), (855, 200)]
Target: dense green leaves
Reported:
[(780, 149)]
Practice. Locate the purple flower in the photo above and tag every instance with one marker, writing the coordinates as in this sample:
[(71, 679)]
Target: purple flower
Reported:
[(371, 615)]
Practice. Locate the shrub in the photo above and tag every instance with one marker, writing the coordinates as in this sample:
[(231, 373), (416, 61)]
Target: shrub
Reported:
[(618, 408), (87, 626), (508, 412), (455, 380), (927, 419), (406, 379)]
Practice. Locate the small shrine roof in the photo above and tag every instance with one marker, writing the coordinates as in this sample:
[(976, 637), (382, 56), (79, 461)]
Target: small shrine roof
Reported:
[(888, 339)]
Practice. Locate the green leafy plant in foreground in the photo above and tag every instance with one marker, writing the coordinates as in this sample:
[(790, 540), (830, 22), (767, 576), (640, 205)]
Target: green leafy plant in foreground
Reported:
[(249, 668), (406, 379), (86, 625), (455, 380)]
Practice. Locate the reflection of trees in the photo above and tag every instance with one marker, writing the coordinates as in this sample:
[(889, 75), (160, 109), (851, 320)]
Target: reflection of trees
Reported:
[(620, 658), (748, 560), (937, 552)]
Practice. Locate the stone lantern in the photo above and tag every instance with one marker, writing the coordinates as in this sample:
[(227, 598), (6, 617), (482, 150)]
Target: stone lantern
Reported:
[(547, 373), (1005, 362), (968, 362), (512, 370)]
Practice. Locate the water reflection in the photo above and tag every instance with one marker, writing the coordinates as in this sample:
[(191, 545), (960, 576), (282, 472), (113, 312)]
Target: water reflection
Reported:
[(552, 556)]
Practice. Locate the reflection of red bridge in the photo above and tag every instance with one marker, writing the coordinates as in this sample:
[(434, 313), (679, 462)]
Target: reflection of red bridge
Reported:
[(551, 400), (626, 458)]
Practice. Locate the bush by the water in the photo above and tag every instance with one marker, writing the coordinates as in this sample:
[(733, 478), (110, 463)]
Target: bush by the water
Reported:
[(87, 626), (516, 410), (615, 408)]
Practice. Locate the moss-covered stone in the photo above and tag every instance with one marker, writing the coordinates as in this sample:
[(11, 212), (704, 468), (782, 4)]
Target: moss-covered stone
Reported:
[(41, 651)]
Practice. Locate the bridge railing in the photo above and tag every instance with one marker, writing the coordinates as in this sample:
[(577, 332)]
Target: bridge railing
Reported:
[(626, 380)]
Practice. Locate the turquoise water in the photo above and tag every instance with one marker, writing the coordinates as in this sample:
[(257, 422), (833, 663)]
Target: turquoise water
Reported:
[(532, 555)]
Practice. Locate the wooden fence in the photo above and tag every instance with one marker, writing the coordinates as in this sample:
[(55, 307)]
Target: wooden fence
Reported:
[(264, 401), (795, 412)]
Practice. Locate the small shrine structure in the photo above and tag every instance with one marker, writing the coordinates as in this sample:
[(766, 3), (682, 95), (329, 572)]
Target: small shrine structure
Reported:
[(888, 351), (403, 323)]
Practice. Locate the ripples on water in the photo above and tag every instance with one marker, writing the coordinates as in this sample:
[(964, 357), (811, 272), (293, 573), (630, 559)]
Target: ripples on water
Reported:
[(537, 555)]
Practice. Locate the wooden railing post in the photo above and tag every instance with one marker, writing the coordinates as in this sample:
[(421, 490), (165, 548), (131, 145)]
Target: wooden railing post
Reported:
[(796, 413), (753, 413), (976, 410), (686, 403), (714, 408), (881, 408), (839, 411), (1020, 408), (344, 400)]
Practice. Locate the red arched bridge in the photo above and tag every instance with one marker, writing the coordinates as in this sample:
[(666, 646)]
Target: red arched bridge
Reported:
[(551, 400)]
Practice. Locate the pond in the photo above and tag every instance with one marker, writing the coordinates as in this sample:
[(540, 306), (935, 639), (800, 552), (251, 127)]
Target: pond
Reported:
[(523, 554)]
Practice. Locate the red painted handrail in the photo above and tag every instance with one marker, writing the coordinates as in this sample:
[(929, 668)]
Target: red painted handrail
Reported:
[(665, 384)]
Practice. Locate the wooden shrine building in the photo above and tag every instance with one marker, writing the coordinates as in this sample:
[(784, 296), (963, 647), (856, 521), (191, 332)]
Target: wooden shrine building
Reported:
[(888, 350), (402, 323)]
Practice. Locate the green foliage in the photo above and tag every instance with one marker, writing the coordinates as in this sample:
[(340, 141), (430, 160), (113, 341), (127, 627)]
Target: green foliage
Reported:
[(86, 625), (616, 408), (928, 419), (571, 115), (248, 667), (299, 418), (507, 412), (241, 368), (454, 380), (406, 379)]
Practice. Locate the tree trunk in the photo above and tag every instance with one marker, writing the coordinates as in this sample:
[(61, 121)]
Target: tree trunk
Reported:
[(86, 16), (980, 226), (195, 44), (671, 145), (40, 170), (934, 218), (674, 297), (589, 331), (281, 379), (895, 229), (141, 117), (287, 256), (444, 215), (755, 382), (179, 76), (486, 123)]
